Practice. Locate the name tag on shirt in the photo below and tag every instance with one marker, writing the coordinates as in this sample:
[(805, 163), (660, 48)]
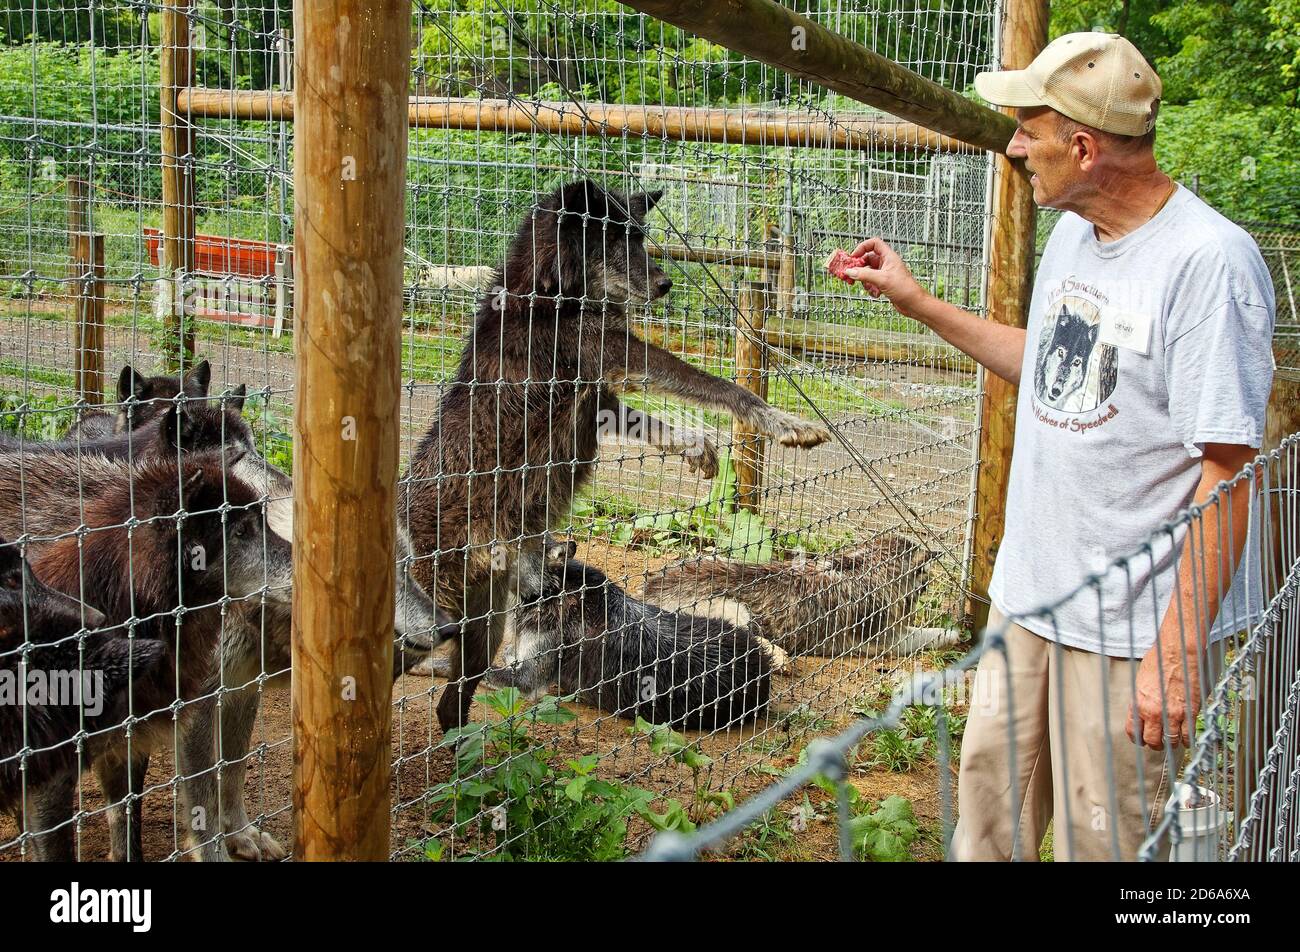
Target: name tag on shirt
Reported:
[(1128, 329)]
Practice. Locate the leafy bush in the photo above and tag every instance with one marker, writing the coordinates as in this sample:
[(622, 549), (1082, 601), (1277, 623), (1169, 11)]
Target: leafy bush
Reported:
[(519, 799)]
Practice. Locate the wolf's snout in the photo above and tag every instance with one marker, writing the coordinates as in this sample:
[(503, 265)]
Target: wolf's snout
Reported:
[(1055, 392), (92, 618), (662, 286)]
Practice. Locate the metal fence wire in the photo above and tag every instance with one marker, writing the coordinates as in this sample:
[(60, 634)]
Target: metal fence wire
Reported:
[(671, 611)]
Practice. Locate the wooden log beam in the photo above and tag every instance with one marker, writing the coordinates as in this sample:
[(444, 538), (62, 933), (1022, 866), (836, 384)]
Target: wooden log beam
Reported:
[(756, 127), (351, 68), (861, 343), (1008, 292), (776, 35)]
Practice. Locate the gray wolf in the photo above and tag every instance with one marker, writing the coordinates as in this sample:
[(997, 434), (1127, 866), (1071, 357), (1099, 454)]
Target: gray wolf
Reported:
[(139, 564), (140, 401), (576, 629), (516, 433), (40, 631), (856, 602), (1063, 367)]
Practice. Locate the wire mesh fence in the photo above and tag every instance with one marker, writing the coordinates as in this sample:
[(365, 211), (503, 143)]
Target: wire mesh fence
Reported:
[(707, 587)]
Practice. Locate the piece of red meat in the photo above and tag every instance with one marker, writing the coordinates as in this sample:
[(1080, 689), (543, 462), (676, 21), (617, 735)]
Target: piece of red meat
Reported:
[(840, 262)]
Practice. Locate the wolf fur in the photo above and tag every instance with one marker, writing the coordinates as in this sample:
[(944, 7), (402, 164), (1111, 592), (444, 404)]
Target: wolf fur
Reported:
[(516, 433), (576, 628), (140, 401), (255, 645), (41, 630), (857, 602), (138, 577)]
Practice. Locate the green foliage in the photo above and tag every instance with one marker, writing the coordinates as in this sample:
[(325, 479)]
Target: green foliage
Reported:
[(516, 797), (34, 417), (884, 835)]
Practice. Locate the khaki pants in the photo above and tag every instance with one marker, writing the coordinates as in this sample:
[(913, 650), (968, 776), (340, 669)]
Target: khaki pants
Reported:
[(1073, 762)]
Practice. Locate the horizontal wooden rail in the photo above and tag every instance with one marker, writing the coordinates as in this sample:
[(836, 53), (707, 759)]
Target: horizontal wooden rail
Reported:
[(861, 343), (735, 126), (776, 35)]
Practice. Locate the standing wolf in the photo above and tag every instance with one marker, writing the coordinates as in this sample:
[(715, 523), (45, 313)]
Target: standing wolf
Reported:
[(516, 432), (856, 602)]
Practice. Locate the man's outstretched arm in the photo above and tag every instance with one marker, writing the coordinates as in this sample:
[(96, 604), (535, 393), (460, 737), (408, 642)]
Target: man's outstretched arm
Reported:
[(998, 347)]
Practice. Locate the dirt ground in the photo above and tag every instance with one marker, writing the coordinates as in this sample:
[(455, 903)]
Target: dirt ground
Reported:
[(815, 697)]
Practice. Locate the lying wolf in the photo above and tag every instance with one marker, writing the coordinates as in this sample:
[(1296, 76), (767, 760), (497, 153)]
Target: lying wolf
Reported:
[(516, 433), (576, 629), (857, 602)]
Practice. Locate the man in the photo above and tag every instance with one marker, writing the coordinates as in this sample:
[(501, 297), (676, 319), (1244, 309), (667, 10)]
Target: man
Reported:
[(1143, 375)]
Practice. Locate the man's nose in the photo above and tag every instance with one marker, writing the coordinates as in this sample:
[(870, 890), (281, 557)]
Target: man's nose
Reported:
[(1016, 148)]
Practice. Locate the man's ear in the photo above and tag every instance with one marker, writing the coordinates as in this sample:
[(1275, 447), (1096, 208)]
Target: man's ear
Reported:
[(198, 380)]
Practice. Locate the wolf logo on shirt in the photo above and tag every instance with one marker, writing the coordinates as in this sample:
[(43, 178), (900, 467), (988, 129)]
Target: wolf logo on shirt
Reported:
[(1072, 369)]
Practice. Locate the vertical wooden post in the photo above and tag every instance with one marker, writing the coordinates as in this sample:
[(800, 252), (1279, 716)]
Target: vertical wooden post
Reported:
[(351, 68), (78, 208), (1008, 290), (785, 278), (747, 446), (88, 346), (177, 140)]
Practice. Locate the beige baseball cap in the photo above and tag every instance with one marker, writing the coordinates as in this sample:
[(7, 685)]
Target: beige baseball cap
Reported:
[(1099, 79)]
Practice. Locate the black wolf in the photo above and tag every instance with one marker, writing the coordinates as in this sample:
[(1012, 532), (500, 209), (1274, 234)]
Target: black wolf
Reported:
[(516, 432), (39, 635), (576, 628), (138, 563), (1063, 365), (255, 641), (856, 602), (140, 401)]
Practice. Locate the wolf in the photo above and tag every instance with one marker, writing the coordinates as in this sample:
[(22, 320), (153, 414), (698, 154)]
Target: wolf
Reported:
[(140, 401), (108, 530), (255, 644), (576, 628), (515, 436), (856, 602), (1064, 363), (40, 631)]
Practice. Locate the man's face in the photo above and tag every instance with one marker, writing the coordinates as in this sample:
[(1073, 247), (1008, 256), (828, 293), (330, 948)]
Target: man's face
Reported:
[(1051, 162)]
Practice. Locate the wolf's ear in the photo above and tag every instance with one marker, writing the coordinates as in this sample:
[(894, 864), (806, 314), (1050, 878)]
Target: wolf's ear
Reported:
[(641, 203), (559, 551), (128, 382), (582, 198), (235, 398), (197, 381)]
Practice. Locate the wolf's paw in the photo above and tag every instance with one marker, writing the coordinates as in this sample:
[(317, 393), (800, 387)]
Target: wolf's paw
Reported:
[(780, 657), (433, 666), (790, 430), (701, 455), (252, 845)]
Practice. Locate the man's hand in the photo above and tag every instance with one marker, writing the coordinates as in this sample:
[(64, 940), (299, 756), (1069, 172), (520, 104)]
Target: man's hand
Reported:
[(1170, 686), (885, 273)]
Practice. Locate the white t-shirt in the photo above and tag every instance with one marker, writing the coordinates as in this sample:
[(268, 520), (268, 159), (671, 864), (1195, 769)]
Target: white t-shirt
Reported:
[(1139, 352)]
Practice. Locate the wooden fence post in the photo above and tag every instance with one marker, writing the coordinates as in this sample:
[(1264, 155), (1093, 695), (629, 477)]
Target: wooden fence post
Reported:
[(177, 141), (350, 188), (747, 446), (1008, 291), (88, 346)]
